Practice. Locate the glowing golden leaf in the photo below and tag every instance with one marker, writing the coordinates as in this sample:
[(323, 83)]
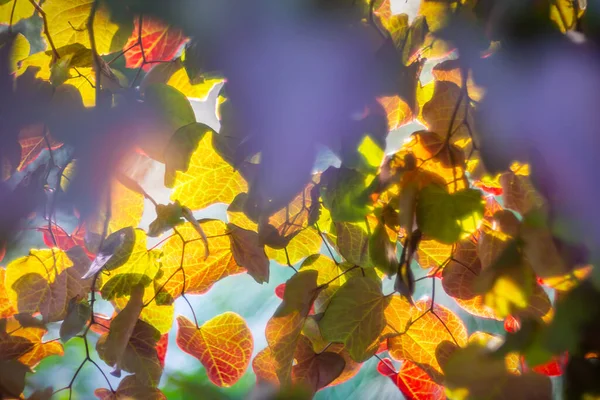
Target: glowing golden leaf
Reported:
[(187, 257), (208, 180), (306, 242), (433, 254), (449, 70), (67, 24), (223, 345), (6, 307), (11, 13), (429, 329), (398, 112), (39, 349)]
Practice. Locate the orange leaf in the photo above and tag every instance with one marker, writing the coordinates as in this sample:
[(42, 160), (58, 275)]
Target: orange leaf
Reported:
[(413, 382), (33, 142), (159, 41), (188, 258), (519, 193), (284, 328), (223, 345), (264, 367), (554, 367), (33, 335), (433, 254), (398, 112), (423, 342), (161, 348)]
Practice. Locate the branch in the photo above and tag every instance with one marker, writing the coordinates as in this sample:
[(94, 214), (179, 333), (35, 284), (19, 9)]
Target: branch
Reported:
[(46, 32)]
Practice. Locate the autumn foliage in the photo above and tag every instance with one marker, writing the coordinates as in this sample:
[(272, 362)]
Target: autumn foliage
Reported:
[(108, 97)]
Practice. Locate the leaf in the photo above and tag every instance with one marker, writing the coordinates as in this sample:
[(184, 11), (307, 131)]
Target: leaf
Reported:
[(519, 193), (140, 355), (12, 378), (78, 314), (413, 382), (38, 350), (284, 328), (67, 21), (439, 111), (264, 367), (345, 193), (482, 375), (167, 217), (313, 370), (449, 71), (383, 250), (424, 337), (11, 13), (180, 148), (353, 243), (448, 217), (161, 348), (305, 242), (188, 258), (33, 140), (131, 388), (459, 277), (130, 265), (6, 307), (223, 345), (208, 180), (398, 112), (433, 254), (112, 348), (173, 110), (160, 42), (333, 274), (248, 253), (355, 317), (46, 280)]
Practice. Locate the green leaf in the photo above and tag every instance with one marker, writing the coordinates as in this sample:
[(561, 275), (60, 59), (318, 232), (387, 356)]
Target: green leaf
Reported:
[(448, 217), (167, 217), (170, 105), (355, 317), (78, 314), (353, 243), (345, 194), (382, 251)]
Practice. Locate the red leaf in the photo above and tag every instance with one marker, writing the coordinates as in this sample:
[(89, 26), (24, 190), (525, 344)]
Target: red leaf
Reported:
[(279, 290), (386, 368), (413, 382), (160, 43), (58, 237), (33, 141), (555, 367), (494, 190), (512, 324), (161, 348)]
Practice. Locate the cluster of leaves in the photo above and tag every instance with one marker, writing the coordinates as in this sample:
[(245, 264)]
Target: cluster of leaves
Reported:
[(111, 91)]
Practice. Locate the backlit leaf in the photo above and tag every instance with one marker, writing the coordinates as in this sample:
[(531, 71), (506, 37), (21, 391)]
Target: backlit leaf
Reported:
[(77, 316), (306, 242), (67, 20), (180, 148), (248, 253), (433, 254), (449, 71), (425, 334), (33, 140), (413, 382), (264, 367), (284, 328), (34, 335), (315, 370), (519, 193), (448, 217), (188, 258), (22, 10), (398, 112), (6, 307), (353, 243), (355, 317), (46, 280), (131, 388), (208, 180), (159, 42), (459, 277), (130, 265), (223, 345)]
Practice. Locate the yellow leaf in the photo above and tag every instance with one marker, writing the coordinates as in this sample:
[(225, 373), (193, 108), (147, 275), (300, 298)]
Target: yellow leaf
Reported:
[(20, 51), (67, 24), (187, 257), (208, 180), (6, 307), (305, 243), (200, 91), (13, 13), (130, 265)]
